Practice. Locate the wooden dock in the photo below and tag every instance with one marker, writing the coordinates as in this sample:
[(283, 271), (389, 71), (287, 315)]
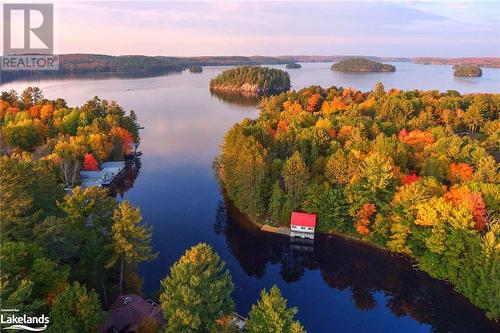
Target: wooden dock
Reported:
[(279, 230)]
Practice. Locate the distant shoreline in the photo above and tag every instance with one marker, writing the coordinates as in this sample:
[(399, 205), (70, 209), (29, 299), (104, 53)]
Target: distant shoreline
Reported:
[(87, 64)]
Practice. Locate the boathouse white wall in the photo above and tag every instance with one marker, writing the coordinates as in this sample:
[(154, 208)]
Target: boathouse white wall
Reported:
[(302, 232)]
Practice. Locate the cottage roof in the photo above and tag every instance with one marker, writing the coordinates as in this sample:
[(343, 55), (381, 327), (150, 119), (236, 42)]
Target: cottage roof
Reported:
[(303, 219), (128, 311)]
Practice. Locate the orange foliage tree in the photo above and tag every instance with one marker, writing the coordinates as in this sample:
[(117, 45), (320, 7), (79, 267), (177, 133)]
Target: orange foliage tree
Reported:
[(313, 103), (125, 137), (3, 108), (458, 196), (46, 112), (283, 125), (292, 108), (460, 172), (416, 137), (369, 103), (333, 106), (345, 132), (12, 110), (364, 214), (34, 111)]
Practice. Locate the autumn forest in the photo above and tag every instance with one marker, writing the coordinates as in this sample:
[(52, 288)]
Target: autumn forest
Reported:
[(410, 171)]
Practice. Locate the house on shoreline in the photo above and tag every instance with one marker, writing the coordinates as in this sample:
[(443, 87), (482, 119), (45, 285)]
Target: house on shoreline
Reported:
[(128, 312), (109, 171), (302, 225)]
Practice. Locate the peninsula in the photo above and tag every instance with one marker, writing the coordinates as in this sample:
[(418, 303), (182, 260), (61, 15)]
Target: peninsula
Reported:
[(369, 167)]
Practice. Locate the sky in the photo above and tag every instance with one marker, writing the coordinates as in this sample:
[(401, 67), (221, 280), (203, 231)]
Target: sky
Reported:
[(397, 28)]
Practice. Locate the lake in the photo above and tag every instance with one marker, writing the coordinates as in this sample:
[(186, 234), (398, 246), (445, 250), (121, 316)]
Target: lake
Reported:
[(338, 286)]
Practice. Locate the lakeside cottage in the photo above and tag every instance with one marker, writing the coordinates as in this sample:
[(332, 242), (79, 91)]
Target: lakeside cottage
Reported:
[(127, 313), (109, 171), (302, 225)]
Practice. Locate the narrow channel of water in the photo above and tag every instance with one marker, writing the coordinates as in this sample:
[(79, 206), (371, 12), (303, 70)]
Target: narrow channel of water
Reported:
[(338, 286)]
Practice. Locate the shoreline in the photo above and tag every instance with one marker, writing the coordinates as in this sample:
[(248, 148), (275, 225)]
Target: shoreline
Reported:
[(246, 88), (337, 234), (361, 71), (255, 226)]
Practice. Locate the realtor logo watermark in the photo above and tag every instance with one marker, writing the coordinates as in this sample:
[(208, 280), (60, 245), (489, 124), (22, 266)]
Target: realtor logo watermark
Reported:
[(28, 37), (10, 319)]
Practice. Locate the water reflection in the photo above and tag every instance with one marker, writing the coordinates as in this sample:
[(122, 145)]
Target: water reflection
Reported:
[(126, 181), (354, 267), (8, 77), (237, 98)]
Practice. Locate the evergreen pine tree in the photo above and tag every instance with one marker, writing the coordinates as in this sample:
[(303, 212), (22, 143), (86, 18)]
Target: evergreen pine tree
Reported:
[(271, 315), (197, 292)]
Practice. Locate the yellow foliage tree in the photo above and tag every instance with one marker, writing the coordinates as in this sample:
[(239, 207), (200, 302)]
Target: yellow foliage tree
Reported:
[(72, 147), (100, 145)]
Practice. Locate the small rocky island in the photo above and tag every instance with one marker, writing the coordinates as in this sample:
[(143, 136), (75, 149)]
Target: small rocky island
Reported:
[(361, 65), (251, 79), (467, 70), (293, 66), (195, 69)]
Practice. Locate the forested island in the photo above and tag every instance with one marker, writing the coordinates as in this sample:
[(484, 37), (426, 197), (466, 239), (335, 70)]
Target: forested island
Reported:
[(361, 65), (68, 252), (467, 70), (196, 69), (251, 79), (410, 171), (293, 65)]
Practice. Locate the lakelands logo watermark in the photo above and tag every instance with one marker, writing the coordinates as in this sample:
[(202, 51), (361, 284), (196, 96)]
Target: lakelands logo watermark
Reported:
[(28, 37), (10, 319)]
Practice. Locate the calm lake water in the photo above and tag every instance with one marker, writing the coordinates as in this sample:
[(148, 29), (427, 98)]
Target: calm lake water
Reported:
[(339, 286)]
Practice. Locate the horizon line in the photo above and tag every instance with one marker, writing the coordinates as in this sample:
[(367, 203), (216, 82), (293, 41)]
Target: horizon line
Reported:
[(280, 56)]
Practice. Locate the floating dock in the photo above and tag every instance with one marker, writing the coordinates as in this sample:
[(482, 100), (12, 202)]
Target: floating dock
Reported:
[(279, 230)]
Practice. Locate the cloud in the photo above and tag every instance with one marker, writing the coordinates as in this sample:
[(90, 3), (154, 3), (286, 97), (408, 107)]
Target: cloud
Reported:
[(201, 28)]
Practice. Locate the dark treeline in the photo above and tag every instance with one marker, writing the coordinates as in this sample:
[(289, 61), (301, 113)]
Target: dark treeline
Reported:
[(413, 171), (79, 64), (490, 62), (155, 65), (96, 63)]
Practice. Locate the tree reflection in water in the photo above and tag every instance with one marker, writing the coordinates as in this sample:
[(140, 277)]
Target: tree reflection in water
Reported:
[(126, 181), (350, 265), (236, 97)]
